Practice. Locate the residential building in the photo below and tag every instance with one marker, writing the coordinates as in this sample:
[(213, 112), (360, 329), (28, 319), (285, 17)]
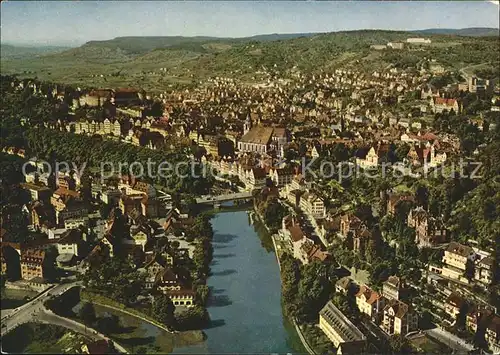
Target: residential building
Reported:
[(492, 334), (454, 305), (292, 232), (457, 255), (72, 223), (439, 105), (399, 318), (313, 205), (429, 231), (345, 285), (167, 280), (394, 288), (370, 302), (281, 177), (33, 263), (396, 200), (70, 242), (484, 270), (418, 40), (255, 178), (37, 192), (340, 330)]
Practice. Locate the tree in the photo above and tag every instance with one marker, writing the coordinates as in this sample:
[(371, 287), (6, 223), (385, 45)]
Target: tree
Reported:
[(290, 275), (194, 318), (313, 290), (163, 310), (87, 313), (202, 292), (110, 324)]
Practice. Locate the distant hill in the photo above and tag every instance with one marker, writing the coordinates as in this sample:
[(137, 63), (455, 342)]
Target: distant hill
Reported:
[(472, 31), (18, 52), (154, 63)]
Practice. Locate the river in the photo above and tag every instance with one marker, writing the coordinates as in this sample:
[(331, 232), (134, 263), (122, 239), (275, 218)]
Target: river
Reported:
[(244, 305)]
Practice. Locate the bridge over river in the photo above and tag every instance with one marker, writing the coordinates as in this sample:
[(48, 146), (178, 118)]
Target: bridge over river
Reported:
[(224, 198)]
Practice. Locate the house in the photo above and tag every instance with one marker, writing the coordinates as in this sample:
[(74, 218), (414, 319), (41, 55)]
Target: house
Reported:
[(368, 158), (492, 334), (345, 285), (111, 197), (260, 139), (429, 231), (477, 318), (399, 318), (41, 214), (454, 304), (109, 241), (395, 201), (419, 155), (456, 257), (154, 264), (256, 178), (167, 280), (281, 177), (313, 253), (370, 302), (340, 330), (67, 204), (439, 105), (70, 242), (150, 207), (37, 192), (394, 288), (350, 223), (360, 241), (292, 232), (72, 223), (33, 263), (483, 271), (313, 205)]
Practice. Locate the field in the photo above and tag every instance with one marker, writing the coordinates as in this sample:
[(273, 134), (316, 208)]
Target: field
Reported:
[(12, 298), (429, 346), (160, 63), (32, 338)]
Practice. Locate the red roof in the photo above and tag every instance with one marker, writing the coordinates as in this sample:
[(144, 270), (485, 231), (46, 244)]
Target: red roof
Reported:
[(447, 102)]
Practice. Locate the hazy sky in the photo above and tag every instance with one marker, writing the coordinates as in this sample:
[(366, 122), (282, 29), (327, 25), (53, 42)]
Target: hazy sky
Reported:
[(65, 22)]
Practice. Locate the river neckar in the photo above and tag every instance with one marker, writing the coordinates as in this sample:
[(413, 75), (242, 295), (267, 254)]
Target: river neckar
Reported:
[(245, 301)]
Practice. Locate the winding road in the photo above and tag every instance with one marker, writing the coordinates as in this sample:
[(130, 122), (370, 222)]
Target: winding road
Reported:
[(35, 311)]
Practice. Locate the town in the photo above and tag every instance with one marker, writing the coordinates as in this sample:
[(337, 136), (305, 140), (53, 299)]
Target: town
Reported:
[(376, 190)]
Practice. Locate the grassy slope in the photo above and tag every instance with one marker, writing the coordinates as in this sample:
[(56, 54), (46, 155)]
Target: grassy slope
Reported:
[(132, 58)]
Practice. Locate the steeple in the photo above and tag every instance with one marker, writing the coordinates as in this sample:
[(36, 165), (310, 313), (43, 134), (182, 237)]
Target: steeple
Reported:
[(248, 124)]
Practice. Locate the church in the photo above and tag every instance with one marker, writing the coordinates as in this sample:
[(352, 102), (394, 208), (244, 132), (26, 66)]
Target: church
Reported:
[(260, 139)]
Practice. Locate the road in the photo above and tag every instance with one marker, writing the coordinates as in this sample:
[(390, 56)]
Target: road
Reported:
[(449, 339), (35, 311), (24, 313)]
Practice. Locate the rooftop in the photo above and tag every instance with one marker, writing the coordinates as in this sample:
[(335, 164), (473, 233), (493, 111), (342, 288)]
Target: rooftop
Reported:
[(342, 325)]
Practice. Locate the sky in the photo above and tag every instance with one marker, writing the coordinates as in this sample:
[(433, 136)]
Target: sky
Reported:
[(76, 22)]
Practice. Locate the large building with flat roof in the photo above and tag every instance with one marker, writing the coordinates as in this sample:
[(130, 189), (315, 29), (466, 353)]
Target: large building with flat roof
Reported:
[(340, 330)]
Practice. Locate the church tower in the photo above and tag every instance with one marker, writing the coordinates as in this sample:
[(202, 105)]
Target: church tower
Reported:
[(248, 124)]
